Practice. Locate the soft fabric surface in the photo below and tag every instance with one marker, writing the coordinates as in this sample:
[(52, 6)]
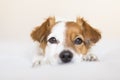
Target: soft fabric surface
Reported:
[(16, 61)]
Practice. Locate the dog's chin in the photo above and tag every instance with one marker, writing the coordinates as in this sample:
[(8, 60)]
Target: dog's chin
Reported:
[(59, 62)]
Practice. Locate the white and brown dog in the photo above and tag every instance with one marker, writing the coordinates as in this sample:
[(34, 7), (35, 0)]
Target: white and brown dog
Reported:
[(64, 42)]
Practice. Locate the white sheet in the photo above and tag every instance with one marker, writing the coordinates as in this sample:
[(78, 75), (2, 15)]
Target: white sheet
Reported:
[(16, 61)]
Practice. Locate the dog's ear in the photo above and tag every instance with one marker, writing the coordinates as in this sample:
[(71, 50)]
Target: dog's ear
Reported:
[(41, 32), (91, 35)]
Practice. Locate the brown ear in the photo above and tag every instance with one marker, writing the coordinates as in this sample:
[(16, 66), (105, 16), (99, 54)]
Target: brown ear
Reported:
[(40, 33), (90, 34)]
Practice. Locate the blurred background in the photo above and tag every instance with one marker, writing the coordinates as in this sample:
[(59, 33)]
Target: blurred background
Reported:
[(19, 17)]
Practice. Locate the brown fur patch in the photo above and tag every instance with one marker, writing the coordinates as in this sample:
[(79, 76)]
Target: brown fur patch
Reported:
[(41, 32), (81, 29), (74, 31), (91, 35)]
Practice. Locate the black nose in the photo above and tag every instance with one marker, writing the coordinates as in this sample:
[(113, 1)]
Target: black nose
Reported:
[(66, 56)]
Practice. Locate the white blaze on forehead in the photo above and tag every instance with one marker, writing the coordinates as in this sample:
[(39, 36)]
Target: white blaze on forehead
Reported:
[(58, 31), (52, 51)]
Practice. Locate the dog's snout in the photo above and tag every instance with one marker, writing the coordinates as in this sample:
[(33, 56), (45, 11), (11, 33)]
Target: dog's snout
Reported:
[(66, 56)]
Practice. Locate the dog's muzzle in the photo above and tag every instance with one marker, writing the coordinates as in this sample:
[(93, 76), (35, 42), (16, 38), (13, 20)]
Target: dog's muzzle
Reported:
[(66, 56)]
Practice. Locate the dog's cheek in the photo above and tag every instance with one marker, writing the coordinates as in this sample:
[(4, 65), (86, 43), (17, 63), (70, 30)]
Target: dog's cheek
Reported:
[(82, 49), (50, 49)]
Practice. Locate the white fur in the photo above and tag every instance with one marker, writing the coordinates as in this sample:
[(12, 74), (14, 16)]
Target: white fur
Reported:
[(53, 50)]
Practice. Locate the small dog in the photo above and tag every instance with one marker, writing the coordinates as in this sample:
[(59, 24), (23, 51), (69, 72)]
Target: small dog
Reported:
[(64, 42)]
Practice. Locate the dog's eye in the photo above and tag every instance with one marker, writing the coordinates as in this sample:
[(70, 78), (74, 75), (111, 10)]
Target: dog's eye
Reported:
[(78, 41), (52, 40)]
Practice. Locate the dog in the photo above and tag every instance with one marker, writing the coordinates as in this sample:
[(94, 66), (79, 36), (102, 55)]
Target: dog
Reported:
[(64, 41)]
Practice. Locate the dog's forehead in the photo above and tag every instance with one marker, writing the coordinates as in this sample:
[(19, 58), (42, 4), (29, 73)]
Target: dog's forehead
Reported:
[(61, 29), (58, 31)]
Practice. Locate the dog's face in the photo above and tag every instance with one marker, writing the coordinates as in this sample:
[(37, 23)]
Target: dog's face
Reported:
[(64, 42)]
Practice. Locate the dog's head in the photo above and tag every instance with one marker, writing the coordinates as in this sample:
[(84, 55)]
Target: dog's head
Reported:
[(65, 41)]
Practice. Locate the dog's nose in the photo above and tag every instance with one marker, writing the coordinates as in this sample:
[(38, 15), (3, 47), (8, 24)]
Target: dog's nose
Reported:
[(66, 56)]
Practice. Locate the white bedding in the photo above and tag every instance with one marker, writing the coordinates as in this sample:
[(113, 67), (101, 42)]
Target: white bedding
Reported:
[(16, 61)]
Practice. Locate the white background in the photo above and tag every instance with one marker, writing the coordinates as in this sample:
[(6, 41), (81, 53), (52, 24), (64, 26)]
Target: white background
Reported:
[(19, 17)]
